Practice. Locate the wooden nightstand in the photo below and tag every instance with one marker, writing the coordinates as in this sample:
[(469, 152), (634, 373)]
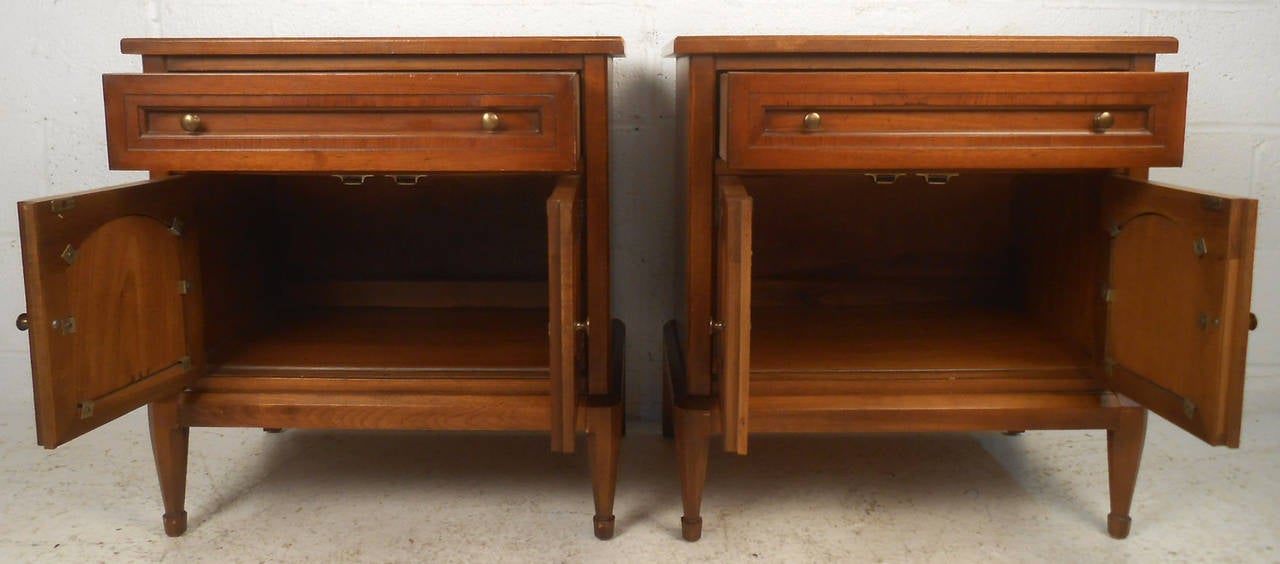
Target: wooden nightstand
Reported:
[(948, 234), (395, 233)]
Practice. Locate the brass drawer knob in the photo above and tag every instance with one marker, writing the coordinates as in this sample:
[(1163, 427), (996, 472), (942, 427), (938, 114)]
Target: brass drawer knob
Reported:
[(490, 121), (23, 322), (812, 121), (190, 123), (1103, 121)]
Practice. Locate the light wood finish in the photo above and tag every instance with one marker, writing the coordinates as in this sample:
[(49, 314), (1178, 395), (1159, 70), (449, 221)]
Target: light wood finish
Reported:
[(344, 122), (564, 241), (169, 445), (733, 307), (305, 46), (1039, 289), (1124, 453), (696, 105), (454, 276), (108, 266), (1180, 273), (905, 339), (951, 120), (922, 45), (398, 343)]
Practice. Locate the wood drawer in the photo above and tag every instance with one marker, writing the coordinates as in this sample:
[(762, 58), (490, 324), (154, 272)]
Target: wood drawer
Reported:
[(951, 120), (344, 122)]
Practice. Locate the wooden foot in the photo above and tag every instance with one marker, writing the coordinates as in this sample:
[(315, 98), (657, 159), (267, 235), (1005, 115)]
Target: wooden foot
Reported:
[(693, 433), (604, 438), (1124, 452), (169, 445), (272, 429)]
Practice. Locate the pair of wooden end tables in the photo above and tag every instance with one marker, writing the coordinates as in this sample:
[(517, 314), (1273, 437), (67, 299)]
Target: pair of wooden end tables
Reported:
[(880, 234)]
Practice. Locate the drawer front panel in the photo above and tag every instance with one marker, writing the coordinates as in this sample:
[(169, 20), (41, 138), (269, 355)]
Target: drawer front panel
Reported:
[(849, 120), (344, 122)]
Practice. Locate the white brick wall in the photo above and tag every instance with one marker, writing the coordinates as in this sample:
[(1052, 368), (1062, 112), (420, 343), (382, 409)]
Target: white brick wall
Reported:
[(52, 140)]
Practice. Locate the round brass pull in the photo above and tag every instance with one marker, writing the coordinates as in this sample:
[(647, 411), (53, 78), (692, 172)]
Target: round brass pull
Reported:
[(1103, 121), (190, 123), (1253, 321), (490, 121), (812, 121), (23, 322)]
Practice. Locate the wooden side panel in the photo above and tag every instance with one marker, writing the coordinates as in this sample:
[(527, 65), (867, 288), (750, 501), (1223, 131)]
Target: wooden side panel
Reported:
[(113, 300), (595, 142), (696, 101), (733, 307), (565, 271), (1181, 269)]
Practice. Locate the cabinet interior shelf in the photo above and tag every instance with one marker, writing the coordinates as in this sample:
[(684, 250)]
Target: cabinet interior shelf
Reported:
[(397, 343)]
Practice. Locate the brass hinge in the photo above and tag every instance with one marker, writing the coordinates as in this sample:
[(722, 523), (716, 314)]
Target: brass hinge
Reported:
[(584, 326), (1212, 203), (717, 326), (1188, 408), (1114, 231), (1204, 321), (885, 177), (65, 326), (69, 254), (1200, 246), (185, 362), (184, 287), (86, 409), (406, 179), (937, 178), (62, 204), (353, 179), (176, 227), (1108, 294)]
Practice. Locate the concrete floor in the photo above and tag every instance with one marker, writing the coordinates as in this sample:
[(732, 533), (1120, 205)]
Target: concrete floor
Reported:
[(438, 497)]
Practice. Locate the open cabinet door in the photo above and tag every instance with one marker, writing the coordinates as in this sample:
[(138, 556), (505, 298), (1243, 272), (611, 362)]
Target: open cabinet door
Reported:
[(112, 302), (1181, 269), (733, 307), (565, 254)]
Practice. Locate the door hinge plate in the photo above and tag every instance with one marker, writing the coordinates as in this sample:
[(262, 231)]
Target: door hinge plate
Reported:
[(1212, 203), (62, 204), (85, 408), (65, 326), (177, 226), (184, 287), (69, 255), (1188, 408), (1201, 247)]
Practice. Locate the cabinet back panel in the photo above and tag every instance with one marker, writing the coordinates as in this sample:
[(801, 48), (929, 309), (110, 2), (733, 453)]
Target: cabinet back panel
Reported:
[(458, 228), (844, 240)]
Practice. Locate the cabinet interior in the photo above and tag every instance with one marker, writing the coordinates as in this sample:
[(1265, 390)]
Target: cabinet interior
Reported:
[(306, 276), (986, 276)]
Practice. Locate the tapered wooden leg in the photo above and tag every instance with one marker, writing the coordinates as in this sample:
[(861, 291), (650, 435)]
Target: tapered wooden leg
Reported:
[(169, 445), (604, 439), (693, 434), (1124, 452)]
